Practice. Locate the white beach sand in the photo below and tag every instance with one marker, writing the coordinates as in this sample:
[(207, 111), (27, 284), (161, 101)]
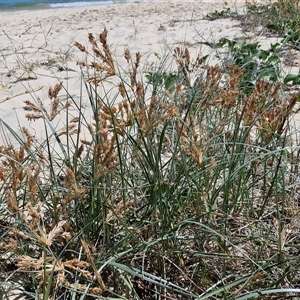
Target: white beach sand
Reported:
[(37, 46)]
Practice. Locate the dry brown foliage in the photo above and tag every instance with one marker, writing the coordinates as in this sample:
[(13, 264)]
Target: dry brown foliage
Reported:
[(45, 207)]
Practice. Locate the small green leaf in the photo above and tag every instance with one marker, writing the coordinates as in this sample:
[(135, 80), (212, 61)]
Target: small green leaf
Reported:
[(268, 71), (292, 77), (274, 46), (273, 58), (241, 44), (263, 55), (274, 27)]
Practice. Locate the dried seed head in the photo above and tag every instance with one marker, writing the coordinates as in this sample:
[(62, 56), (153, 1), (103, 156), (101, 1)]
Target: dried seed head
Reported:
[(137, 59), (70, 178), (139, 90), (113, 110), (33, 117), (55, 232), (85, 142), (53, 92), (10, 245), (153, 102), (168, 94), (95, 291), (127, 55), (173, 111), (21, 234), (132, 105), (178, 87), (21, 154), (92, 39), (3, 174), (33, 212), (103, 36), (125, 106), (66, 236), (26, 262), (98, 53), (80, 47), (12, 204), (122, 90), (29, 137), (105, 116), (31, 106), (212, 162), (198, 155), (54, 109), (187, 57), (80, 150)]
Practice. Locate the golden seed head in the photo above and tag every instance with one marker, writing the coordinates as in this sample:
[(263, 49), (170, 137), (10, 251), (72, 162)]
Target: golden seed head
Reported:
[(127, 55), (80, 47)]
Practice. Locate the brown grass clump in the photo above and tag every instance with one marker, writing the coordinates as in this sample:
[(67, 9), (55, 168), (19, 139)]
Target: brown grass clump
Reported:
[(264, 109), (172, 189)]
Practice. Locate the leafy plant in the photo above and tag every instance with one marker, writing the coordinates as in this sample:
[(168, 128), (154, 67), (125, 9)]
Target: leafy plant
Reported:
[(166, 80), (277, 17), (225, 13), (295, 79), (257, 63)]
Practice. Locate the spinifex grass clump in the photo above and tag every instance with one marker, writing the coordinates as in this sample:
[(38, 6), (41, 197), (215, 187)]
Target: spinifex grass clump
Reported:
[(180, 186)]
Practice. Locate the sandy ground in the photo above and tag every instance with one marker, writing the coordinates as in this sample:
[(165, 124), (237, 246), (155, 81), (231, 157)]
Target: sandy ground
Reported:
[(37, 47)]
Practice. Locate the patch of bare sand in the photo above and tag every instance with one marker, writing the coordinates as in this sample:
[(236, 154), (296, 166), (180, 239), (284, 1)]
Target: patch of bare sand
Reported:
[(37, 47)]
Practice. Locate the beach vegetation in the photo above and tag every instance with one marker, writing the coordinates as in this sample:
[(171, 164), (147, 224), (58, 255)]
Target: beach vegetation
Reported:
[(225, 13), (276, 17), (184, 184)]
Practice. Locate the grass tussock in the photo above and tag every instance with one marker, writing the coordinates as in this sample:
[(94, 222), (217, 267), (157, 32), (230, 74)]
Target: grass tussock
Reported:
[(182, 185)]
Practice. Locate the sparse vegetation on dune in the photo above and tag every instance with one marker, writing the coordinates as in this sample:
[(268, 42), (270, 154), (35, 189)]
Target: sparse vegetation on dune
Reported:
[(184, 185)]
